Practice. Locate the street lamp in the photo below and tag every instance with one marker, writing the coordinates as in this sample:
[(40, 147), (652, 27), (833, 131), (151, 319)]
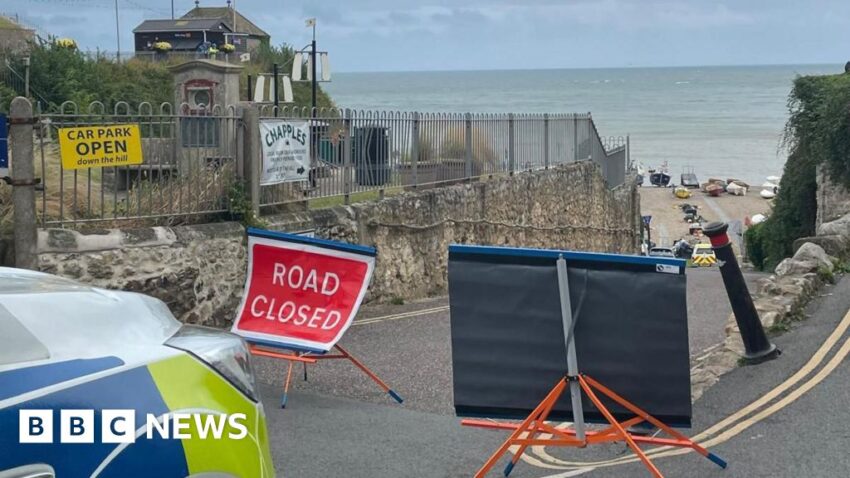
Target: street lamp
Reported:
[(311, 22)]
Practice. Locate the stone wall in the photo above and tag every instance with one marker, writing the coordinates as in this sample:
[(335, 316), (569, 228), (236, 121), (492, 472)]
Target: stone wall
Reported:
[(199, 270)]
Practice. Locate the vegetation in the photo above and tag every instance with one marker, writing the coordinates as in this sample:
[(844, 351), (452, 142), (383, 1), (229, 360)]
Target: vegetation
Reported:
[(59, 73), (817, 133)]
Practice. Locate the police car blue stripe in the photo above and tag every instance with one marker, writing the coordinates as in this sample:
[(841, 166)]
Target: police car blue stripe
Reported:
[(23, 380), (132, 389)]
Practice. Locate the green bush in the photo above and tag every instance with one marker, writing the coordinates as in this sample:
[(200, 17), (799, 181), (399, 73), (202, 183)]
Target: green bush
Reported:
[(817, 133), (60, 74), (755, 245)]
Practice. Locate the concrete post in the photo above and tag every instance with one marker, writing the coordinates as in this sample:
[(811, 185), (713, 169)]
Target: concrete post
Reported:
[(252, 161), (23, 181)]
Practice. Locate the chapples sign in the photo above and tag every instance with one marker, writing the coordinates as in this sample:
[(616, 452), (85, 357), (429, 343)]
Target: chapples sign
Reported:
[(301, 293)]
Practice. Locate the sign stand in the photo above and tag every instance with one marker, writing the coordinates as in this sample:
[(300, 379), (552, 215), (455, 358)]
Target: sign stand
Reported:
[(310, 358), (526, 433)]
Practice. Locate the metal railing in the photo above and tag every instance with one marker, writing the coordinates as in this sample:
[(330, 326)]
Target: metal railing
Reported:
[(189, 167), (166, 57), (194, 160), (361, 151)]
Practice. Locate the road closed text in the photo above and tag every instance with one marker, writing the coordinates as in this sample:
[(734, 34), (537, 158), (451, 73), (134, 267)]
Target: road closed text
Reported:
[(295, 278), (100, 146)]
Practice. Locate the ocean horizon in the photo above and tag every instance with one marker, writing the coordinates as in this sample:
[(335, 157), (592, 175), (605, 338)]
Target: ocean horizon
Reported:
[(724, 121)]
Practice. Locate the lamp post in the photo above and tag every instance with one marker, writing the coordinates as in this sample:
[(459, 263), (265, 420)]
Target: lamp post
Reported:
[(117, 34), (311, 22)]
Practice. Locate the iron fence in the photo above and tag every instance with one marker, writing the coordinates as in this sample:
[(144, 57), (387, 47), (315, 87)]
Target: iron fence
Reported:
[(189, 167), (194, 160), (362, 151), (167, 56)]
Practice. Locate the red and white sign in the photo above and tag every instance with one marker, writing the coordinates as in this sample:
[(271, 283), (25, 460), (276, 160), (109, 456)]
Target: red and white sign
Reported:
[(301, 294)]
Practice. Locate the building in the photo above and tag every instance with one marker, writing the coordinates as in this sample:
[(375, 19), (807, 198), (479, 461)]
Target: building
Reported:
[(202, 27)]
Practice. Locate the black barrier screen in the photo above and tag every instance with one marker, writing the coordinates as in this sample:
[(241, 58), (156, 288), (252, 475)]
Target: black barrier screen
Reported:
[(508, 347)]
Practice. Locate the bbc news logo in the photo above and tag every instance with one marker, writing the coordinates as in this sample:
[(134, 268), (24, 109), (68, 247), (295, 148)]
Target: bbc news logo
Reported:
[(119, 426)]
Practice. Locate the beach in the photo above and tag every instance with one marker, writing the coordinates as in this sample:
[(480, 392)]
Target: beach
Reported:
[(668, 224)]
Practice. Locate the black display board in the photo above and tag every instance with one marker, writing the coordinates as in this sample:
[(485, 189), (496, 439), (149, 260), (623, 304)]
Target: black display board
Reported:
[(508, 347)]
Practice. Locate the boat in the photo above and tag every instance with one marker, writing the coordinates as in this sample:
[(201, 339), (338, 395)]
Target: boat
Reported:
[(660, 177), (714, 189), (774, 179), (688, 179), (681, 192), (736, 189), (767, 194)]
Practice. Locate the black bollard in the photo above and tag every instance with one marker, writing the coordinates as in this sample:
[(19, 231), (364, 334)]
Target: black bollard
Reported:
[(757, 348)]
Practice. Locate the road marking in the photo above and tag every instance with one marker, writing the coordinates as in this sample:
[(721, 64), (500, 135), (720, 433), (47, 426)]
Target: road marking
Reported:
[(703, 438), (403, 315)]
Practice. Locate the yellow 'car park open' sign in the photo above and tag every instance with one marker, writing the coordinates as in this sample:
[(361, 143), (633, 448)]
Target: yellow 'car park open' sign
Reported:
[(100, 146)]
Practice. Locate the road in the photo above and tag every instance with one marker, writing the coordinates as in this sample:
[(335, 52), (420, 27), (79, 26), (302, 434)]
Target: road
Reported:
[(339, 424)]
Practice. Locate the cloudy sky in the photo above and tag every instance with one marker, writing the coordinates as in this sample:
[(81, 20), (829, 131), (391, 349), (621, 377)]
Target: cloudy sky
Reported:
[(376, 35)]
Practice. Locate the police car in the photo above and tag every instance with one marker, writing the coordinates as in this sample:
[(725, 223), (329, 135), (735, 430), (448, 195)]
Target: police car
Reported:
[(703, 255), (99, 383)]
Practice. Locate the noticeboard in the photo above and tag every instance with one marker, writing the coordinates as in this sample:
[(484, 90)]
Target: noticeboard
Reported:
[(100, 146), (508, 347)]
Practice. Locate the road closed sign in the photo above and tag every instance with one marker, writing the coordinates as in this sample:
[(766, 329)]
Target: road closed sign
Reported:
[(301, 293), (100, 146)]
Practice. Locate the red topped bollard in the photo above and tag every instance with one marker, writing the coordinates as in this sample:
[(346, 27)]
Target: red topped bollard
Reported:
[(757, 348)]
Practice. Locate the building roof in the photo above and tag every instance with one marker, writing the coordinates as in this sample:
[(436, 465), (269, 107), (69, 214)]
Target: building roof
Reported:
[(182, 25), (225, 14)]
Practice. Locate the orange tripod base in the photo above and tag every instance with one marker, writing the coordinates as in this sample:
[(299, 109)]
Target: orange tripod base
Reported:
[(311, 358), (526, 433)]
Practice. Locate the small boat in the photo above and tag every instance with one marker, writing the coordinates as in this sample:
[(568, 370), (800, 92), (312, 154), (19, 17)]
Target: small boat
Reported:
[(774, 179), (767, 193), (681, 192), (714, 189), (660, 177), (736, 189), (769, 185), (688, 178)]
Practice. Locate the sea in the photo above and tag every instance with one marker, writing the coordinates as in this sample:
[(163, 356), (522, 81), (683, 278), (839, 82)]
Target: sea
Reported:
[(723, 121)]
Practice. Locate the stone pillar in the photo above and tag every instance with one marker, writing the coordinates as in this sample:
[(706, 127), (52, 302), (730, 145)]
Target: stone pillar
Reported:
[(23, 181)]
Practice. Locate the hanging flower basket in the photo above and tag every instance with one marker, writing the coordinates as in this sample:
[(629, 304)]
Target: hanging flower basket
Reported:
[(228, 48), (66, 43), (162, 46)]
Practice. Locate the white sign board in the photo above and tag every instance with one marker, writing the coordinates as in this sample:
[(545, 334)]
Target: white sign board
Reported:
[(286, 151)]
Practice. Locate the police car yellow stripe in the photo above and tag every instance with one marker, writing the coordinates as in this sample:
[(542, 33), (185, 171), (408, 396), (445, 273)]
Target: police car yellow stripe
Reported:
[(187, 384)]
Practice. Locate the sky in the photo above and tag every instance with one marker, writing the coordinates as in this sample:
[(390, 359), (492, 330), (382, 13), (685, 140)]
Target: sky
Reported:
[(410, 35)]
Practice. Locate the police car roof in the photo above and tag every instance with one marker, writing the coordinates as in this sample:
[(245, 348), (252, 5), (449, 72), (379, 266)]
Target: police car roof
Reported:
[(46, 316)]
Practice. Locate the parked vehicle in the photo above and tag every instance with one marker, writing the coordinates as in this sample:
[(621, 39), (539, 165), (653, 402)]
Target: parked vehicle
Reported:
[(703, 256), (662, 252), (68, 346)]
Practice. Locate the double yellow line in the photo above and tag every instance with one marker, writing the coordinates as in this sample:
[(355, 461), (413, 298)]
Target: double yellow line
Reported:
[(403, 315), (739, 421)]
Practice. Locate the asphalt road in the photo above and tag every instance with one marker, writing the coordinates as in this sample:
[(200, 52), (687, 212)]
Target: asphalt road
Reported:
[(340, 424)]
